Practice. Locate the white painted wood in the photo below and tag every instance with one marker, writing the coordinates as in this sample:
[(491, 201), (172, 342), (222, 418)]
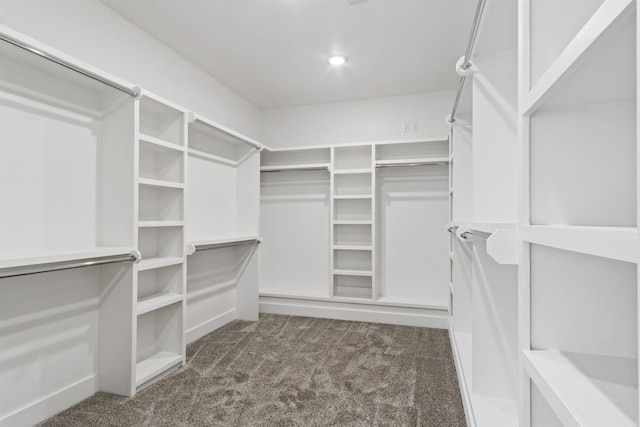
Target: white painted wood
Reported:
[(462, 168), (619, 243), (159, 183), (153, 263), (575, 54), (356, 311), (495, 328), (502, 246), (294, 167), (158, 301), (409, 161), (495, 152), (584, 390), (159, 142), (198, 331), (149, 368), (50, 405), (568, 288)]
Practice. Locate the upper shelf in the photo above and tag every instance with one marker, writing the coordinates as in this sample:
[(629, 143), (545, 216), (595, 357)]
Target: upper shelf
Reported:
[(212, 141), (603, 51), (50, 75)]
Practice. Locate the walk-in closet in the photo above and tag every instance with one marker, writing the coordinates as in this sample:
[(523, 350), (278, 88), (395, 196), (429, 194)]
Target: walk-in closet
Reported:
[(304, 212)]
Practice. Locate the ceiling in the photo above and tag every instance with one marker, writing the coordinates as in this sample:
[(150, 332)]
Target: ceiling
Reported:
[(274, 52)]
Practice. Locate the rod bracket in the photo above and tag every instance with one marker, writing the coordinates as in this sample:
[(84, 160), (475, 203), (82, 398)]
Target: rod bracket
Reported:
[(463, 68)]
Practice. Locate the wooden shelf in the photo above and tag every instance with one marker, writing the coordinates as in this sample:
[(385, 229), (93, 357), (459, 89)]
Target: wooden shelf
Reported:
[(352, 273), (352, 222), (353, 247), (574, 54), (153, 366), (160, 183), (355, 196), (152, 263), (157, 301), (620, 243), (419, 160), (351, 171), (586, 390), (159, 142), (152, 224)]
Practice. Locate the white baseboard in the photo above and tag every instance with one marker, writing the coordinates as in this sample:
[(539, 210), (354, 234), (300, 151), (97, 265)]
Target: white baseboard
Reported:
[(462, 381), (52, 404), (357, 312), (210, 325)]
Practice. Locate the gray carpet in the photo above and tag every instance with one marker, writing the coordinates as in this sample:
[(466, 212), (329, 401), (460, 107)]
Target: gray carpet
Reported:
[(295, 371)]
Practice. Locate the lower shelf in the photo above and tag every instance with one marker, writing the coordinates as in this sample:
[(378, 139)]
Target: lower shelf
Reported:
[(586, 389), (155, 365)]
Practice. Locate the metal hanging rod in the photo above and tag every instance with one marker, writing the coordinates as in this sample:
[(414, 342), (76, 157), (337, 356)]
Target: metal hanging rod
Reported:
[(469, 235), (194, 247), (7, 38), (397, 165), (467, 57), (297, 169), (68, 265)]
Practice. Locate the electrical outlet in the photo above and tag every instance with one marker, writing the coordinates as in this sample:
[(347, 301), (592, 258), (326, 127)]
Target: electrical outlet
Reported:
[(406, 126), (414, 126)]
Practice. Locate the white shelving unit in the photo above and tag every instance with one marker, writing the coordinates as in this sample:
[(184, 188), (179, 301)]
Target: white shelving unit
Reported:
[(159, 344), (579, 249), (66, 198), (222, 212), (320, 247)]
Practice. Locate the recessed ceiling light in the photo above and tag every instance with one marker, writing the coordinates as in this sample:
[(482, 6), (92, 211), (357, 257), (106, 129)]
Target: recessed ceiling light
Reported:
[(337, 59)]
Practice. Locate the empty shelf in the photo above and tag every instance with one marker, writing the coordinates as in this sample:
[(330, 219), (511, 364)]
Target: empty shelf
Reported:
[(153, 366), (586, 390), (159, 142), (151, 263), (157, 301)]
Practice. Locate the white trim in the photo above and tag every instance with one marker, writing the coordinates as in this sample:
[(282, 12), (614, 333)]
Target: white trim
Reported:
[(52, 404), (210, 325), (356, 312)]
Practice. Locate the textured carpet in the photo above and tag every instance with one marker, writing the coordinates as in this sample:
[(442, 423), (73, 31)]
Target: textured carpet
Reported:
[(295, 371)]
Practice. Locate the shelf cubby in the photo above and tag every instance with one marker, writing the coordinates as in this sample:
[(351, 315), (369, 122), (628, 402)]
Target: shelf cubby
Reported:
[(352, 210), (554, 25), (159, 203), (407, 151), (298, 158), (358, 184), (160, 284), (161, 163), (161, 242), (352, 158), (353, 235), (346, 285), (357, 260), (161, 121), (159, 342)]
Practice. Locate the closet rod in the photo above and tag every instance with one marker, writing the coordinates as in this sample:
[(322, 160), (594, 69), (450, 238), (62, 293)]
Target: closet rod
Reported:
[(297, 169), (467, 57), (88, 262), (467, 235), (133, 92), (207, 246), (396, 165)]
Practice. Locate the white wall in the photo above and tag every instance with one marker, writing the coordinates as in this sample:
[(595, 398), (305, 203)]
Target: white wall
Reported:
[(353, 121), (98, 36)]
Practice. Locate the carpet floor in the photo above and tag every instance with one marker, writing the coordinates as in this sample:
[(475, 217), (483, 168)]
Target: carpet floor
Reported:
[(295, 371)]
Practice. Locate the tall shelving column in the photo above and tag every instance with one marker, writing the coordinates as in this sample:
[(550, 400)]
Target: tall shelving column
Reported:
[(159, 291), (578, 281), (352, 215)]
